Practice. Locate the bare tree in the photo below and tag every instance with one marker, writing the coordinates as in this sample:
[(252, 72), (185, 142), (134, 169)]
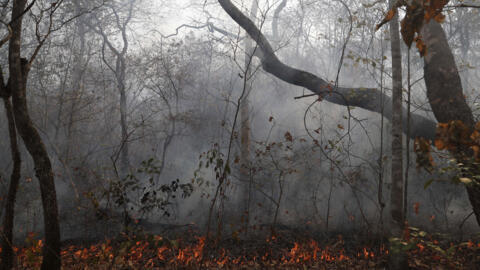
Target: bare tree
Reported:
[(119, 69)]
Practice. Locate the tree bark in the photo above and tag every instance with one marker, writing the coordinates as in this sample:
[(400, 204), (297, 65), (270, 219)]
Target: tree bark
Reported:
[(396, 195), (7, 254), (445, 92), (444, 86), (18, 69), (397, 258), (44, 173)]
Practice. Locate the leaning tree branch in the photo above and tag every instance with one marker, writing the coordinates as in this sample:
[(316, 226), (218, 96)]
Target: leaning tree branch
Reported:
[(366, 98)]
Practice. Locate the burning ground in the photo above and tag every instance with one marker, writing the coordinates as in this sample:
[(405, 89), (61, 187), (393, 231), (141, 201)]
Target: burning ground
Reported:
[(284, 250)]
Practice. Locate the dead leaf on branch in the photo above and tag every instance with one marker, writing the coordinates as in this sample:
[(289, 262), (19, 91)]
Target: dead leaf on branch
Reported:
[(433, 10), (424, 156), (388, 17), (288, 137), (417, 13), (422, 48)]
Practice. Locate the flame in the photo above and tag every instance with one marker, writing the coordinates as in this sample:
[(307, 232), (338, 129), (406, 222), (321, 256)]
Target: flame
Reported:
[(157, 252), (313, 253), (188, 255), (420, 247), (160, 252), (470, 244)]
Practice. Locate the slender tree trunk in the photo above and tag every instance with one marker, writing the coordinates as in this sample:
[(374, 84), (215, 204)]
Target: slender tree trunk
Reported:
[(124, 154), (77, 78), (120, 72), (245, 178), (18, 69), (397, 145), (397, 258), (276, 16), (120, 75), (7, 254), (245, 157)]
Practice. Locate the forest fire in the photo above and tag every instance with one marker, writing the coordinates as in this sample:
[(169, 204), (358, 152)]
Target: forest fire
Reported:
[(252, 134), (153, 252)]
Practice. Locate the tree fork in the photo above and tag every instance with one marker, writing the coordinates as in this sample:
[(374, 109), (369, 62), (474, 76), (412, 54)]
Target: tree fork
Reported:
[(18, 69)]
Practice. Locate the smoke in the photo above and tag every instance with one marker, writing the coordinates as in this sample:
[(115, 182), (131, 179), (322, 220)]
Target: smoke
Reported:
[(324, 177)]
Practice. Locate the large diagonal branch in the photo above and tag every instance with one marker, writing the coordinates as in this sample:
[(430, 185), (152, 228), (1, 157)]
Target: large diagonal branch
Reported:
[(366, 98)]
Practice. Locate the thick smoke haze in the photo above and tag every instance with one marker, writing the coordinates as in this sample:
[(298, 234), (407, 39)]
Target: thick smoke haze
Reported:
[(184, 70)]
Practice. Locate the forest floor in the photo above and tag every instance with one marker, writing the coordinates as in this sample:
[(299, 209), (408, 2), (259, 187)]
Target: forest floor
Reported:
[(285, 250)]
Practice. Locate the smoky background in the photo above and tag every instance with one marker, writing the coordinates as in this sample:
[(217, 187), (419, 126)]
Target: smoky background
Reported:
[(123, 76)]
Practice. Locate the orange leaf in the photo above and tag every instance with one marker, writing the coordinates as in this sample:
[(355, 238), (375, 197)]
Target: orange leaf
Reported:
[(440, 18), (408, 32), (476, 151), (422, 48), (475, 135), (439, 144), (388, 17)]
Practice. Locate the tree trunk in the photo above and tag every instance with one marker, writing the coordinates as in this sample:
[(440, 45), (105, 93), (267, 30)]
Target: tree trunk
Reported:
[(18, 69), (120, 75), (124, 154), (396, 198), (397, 258), (44, 173), (276, 16), (7, 254), (445, 92), (77, 80), (245, 178)]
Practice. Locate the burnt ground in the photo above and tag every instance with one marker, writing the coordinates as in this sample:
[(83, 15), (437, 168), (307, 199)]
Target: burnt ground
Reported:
[(184, 247)]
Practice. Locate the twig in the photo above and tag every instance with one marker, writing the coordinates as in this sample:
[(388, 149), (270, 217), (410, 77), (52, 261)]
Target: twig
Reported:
[(465, 220)]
